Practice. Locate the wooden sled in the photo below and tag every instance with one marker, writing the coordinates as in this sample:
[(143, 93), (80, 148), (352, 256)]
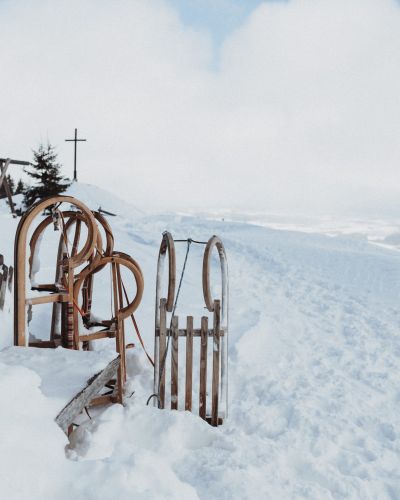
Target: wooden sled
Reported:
[(214, 338), (71, 292)]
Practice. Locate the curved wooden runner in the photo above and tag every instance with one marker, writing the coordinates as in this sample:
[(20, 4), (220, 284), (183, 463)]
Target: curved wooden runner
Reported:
[(209, 343)]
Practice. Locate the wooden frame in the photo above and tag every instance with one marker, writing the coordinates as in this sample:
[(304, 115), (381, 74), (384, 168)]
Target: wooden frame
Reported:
[(66, 296), (214, 339), (69, 286)]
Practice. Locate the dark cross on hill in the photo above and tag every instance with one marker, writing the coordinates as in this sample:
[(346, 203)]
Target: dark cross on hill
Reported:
[(75, 140)]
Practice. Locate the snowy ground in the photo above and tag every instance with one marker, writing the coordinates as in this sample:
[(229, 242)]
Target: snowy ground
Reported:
[(314, 384)]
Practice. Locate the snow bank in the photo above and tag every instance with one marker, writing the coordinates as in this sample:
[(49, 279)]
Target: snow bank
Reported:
[(314, 383), (140, 452), (62, 372), (32, 457), (8, 226), (95, 197)]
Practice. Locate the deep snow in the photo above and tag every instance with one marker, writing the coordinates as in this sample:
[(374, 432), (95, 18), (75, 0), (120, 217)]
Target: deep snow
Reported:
[(314, 385)]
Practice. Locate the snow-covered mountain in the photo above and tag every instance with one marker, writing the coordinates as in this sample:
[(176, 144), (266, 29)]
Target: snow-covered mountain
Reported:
[(314, 384)]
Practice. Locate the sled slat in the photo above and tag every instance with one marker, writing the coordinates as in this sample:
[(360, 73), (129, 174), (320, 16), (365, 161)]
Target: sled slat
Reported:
[(47, 299), (215, 374), (103, 400), (52, 344), (174, 363), (203, 368), (189, 363), (162, 347), (97, 335), (196, 332)]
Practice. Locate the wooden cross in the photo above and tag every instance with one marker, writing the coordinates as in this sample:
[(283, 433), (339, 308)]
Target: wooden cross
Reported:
[(75, 140)]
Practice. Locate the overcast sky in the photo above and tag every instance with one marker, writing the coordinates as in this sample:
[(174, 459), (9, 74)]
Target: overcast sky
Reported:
[(278, 105)]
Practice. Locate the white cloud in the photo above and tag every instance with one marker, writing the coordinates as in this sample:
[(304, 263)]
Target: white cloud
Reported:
[(303, 111)]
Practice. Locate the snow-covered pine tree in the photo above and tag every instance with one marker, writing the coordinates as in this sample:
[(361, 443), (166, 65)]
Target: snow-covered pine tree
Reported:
[(46, 174), (21, 187)]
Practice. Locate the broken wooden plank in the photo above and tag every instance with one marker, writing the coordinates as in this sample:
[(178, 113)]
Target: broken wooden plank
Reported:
[(67, 415), (174, 363)]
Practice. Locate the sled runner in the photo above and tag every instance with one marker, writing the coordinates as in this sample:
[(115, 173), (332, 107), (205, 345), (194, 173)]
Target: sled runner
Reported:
[(171, 338)]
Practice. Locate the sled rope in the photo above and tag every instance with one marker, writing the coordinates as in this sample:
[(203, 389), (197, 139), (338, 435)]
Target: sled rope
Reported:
[(191, 241), (136, 327)]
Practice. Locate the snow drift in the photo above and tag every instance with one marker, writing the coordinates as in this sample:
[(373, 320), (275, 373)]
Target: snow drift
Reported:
[(314, 383)]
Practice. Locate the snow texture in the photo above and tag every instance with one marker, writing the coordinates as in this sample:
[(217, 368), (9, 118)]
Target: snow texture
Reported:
[(63, 372), (314, 390)]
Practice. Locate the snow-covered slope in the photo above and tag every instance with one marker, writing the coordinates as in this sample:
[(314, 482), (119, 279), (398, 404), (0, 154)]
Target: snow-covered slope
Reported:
[(314, 383)]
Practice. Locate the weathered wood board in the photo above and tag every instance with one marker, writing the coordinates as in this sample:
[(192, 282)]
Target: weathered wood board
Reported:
[(94, 385)]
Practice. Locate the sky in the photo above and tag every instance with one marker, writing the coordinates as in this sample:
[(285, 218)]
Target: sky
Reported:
[(285, 106), (218, 18)]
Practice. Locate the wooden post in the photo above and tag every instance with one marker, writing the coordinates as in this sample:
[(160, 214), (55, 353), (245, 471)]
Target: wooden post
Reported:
[(174, 363), (163, 346), (3, 286), (203, 368), (7, 189), (189, 363), (3, 181), (3, 169), (10, 278), (216, 353)]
